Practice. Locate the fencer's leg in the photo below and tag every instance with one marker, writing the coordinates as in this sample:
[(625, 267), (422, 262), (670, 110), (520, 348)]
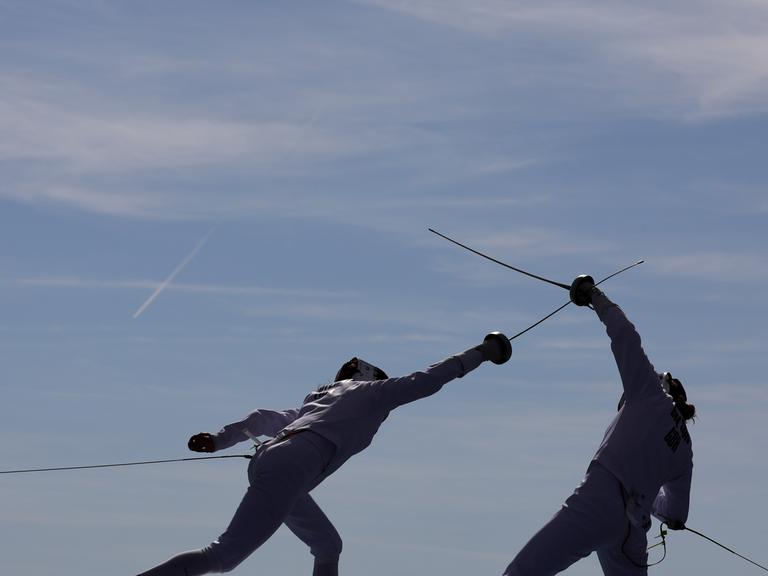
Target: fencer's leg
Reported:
[(628, 556), (308, 522), (258, 516), (325, 568), (588, 521), (279, 475), (560, 543), (192, 563)]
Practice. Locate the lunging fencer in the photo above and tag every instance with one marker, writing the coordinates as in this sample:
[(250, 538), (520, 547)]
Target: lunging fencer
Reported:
[(308, 444), (643, 466)]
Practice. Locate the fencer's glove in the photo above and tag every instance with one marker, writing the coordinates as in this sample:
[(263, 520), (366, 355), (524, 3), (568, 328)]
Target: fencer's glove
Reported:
[(675, 525), (202, 442), (496, 347), (582, 289)]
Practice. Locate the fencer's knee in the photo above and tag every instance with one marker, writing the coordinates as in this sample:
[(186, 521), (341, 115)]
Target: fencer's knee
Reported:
[(329, 550), (229, 564), (224, 560), (337, 545)]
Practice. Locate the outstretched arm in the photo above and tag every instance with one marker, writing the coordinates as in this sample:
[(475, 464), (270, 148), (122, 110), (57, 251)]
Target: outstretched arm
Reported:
[(257, 423), (399, 391), (635, 369)]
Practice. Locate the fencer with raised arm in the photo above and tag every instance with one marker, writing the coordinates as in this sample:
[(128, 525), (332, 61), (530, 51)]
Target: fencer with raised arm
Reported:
[(643, 466)]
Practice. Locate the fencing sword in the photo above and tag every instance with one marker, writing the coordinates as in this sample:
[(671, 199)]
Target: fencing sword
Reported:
[(566, 286), (566, 304), (536, 276)]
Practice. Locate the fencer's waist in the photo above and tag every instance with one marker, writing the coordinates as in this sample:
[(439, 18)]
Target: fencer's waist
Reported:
[(317, 440)]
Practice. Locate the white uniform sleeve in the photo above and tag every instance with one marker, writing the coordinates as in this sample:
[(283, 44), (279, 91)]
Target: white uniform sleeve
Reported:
[(636, 371), (399, 391), (671, 503), (258, 423)]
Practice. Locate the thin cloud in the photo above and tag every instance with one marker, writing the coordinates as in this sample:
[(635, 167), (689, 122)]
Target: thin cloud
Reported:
[(75, 282), (713, 266), (133, 203), (723, 75), (566, 344), (92, 141), (530, 241), (504, 165), (73, 132), (469, 201), (711, 56)]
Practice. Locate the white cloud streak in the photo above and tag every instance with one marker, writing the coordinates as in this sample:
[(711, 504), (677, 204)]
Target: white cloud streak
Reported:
[(164, 284)]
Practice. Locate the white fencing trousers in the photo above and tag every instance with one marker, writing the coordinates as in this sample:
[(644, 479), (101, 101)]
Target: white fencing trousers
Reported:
[(591, 520), (281, 476)]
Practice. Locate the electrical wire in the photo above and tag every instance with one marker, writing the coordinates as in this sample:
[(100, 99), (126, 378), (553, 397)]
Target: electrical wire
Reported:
[(248, 456), (726, 548), (662, 535)]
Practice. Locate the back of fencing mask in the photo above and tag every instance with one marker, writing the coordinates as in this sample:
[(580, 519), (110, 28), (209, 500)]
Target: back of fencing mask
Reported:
[(359, 369)]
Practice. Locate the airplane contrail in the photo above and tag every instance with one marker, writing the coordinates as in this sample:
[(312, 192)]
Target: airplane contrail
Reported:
[(173, 274)]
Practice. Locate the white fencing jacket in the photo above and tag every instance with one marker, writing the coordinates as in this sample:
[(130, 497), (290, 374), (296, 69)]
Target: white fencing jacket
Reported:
[(647, 446), (348, 413)]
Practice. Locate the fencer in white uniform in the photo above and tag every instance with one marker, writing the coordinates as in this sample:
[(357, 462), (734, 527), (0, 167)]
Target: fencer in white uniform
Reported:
[(307, 444), (643, 466)]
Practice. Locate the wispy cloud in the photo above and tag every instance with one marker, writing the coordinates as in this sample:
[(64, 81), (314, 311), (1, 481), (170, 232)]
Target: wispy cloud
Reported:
[(69, 145), (710, 55), (577, 344), (504, 165), (96, 139), (715, 266), (71, 140), (530, 240), (75, 282), (496, 16), (101, 200), (468, 201)]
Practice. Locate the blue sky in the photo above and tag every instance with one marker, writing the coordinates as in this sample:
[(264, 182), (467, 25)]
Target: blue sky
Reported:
[(319, 141)]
